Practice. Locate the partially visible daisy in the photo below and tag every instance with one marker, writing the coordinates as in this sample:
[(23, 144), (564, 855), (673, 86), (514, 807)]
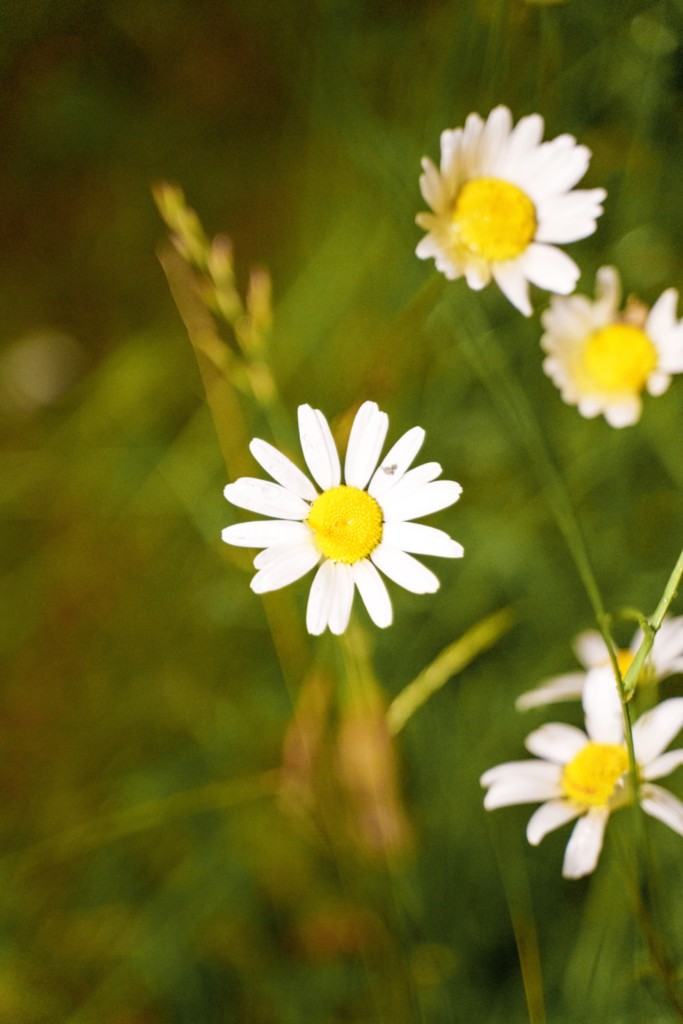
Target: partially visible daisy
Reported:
[(665, 659), (500, 199), (352, 528), (602, 359), (584, 775)]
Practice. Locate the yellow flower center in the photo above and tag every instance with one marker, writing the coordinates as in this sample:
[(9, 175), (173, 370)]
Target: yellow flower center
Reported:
[(590, 778), (347, 524), (619, 357), (494, 218)]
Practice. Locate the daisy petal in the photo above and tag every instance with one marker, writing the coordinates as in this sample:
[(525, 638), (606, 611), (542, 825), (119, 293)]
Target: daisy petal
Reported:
[(539, 771), (654, 731), (602, 707), (624, 413), (556, 742), (366, 441), (282, 469), (492, 142), (662, 316), (283, 565), (318, 447), (432, 497), (550, 268), (477, 273), (421, 540), (342, 597), (668, 648), (553, 691), (373, 591), (265, 498), (561, 166), (273, 554), (569, 217), (526, 135), (428, 247), (590, 648), (410, 482), (585, 844), (396, 462), (263, 533), (523, 789), (320, 599), (550, 816), (658, 383), (469, 147), (404, 570), (510, 279), (659, 803), (608, 288), (663, 765), (432, 188)]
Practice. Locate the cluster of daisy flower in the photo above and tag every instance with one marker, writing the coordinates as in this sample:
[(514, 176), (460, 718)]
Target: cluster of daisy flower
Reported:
[(501, 201), (585, 775)]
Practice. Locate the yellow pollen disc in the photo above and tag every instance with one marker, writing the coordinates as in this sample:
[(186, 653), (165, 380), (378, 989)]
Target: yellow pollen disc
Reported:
[(347, 524), (590, 778), (619, 357), (494, 218)]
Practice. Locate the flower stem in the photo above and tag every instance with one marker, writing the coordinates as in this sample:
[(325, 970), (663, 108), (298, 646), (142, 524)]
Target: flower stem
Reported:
[(651, 627), (488, 360)]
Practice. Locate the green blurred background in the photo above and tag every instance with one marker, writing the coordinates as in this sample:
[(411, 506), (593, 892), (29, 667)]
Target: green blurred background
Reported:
[(150, 872)]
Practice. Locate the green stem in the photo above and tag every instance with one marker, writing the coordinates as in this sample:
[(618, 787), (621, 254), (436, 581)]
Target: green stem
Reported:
[(670, 592), (640, 898), (651, 627), (488, 361)]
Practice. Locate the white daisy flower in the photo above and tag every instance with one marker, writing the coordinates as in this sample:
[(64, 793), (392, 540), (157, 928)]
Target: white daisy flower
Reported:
[(352, 528), (584, 775), (499, 199), (602, 359), (665, 659)]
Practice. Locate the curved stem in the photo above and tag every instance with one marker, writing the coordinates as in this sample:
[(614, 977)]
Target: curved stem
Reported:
[(488, 361)]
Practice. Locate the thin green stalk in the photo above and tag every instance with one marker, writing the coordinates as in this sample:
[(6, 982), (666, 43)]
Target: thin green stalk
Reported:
[(362, 693), (651, 627), (639, 901), (512, 869), (488, 361), (147, 816)]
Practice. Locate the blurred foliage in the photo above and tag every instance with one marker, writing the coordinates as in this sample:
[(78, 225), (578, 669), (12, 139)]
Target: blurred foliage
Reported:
[(155, 869)]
